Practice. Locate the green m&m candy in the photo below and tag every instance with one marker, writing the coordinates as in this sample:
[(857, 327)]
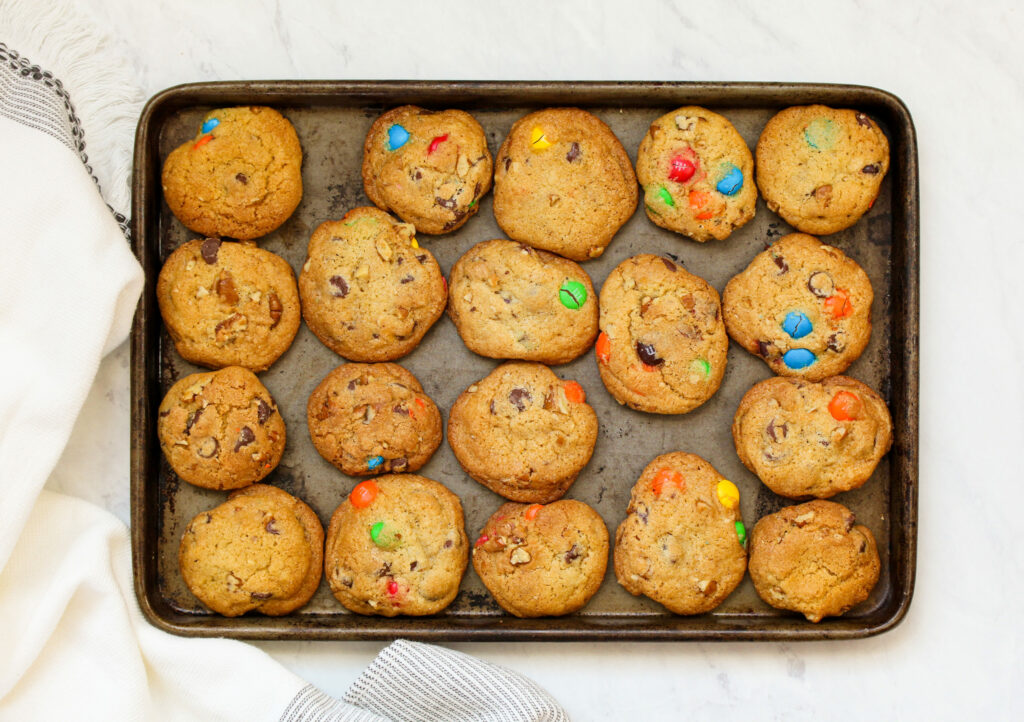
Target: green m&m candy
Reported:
[(383, 537), (573, 295), (741, 533)]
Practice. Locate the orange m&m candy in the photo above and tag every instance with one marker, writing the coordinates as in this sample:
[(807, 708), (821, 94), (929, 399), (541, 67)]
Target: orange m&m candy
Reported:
[(363, 495), (845, 406), (574, 392), (838, 304), (699, 199), (532, 511), (603, 348), (667, 477)]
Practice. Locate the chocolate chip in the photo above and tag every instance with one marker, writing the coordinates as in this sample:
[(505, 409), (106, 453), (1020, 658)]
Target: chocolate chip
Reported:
[(837, 341), (519, 398), (208, 448), (417, 175), (574, 152), (762, 348), (642, 511), (271, 528), (422, 258), (209, 250), (165, 413), (241, 178), (669, 265), (340, 289), (400, 409), (245, 437), (407, 279), (385, 570), (476, 189), (648, 355), (448, 203), (191, 421), (775, 431), (261, 595), (863, 120), (821, 284), (412, 567), (508, 162), (573, 552), (849, 521), (399, 464), (276, 309), (871, 169), (781, 263), (347, 582), (264, 411), (863, 546), (823, 442), (492, 407), (447, 543), (225, 288), (209, 518)]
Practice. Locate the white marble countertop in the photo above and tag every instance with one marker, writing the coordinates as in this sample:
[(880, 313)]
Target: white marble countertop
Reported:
[(960, 69)]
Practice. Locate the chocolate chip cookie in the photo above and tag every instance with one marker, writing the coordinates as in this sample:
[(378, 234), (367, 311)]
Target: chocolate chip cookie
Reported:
[(221, 429), (812, 439), (260, 550), (428, 167), (563, 183), (820, 168), (228, 304), (373, 418), (662, 345), (511, 301), (523, 432), (542, 561), (697, 174), (369, 291), (812, 559), (802, 306), (240, 176), (682, 541), (397, 545)]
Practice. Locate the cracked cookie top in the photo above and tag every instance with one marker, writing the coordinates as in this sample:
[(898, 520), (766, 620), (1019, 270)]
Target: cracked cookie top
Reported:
[(662, 346), (369, 291), (429, 167)]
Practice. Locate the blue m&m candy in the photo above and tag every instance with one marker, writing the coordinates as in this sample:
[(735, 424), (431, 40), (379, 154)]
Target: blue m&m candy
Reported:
[(397, 137), (373, 462), (798, 358), (732, 182), (796, 324), (209, 125)]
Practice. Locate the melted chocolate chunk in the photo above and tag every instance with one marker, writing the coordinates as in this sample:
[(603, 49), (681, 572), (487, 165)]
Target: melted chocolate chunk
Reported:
[(271, 527), (209, 250), (669, 265), (245, 437), (837, 342), (407, 279), (340, 289), (574, 152), (863, 120), (849, 522), (648, 354), (762, 349), (261, 595), (508, 162), (821, 284), (447, 543), (422, 258), (385, 570), (573, 552), (412, 567), (777, 431), (448, 203), (241, 178), (264, 411), (519, 398), (191, 421), (871, 169), (400, 409), (781, 263), (166, 412), (399, 464)]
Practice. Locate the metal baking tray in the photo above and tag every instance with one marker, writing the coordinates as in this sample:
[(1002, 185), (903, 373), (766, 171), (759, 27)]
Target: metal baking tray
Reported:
[(332, 118)]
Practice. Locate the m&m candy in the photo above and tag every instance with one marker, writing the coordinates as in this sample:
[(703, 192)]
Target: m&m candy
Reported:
[(666, 197), (532, 511), (820, 134), (681, 169), (845, 406), (574, 392), (741, 533), (538, 140), (363, 494), (603, 348), (838, 304), (798, 358), (701, 367), (438, 140), (796, 324), (397, 137), (731, 183), (698, 200), (209, 124), (573, 295), (728, 494), (665, 478), (374, 461)]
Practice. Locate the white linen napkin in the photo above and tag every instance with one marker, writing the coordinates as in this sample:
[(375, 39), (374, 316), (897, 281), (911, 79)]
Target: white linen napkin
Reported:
[(75, 642)]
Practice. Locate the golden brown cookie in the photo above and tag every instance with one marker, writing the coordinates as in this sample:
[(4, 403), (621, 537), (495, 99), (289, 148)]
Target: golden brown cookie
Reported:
[(820, 168), (428, 167), (509, 300), (802, 306), (563, 183), (221, 429), (541, 561), (369, 291), (373, 418), (523, 432), (228, 304), (697, 174), (662, 345), (262, 549), (241, 176), (812, 439), (682, 541), (397, 545), (813, 560)]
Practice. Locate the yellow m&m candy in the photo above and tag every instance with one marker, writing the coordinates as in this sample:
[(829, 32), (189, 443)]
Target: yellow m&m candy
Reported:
[(538, 140), (728, 494)]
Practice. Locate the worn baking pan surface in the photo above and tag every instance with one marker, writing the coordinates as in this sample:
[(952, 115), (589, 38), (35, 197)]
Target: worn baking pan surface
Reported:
[(331, 119)]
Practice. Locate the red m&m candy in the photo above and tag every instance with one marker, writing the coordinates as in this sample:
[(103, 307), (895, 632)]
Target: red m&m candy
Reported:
[(681, 169)]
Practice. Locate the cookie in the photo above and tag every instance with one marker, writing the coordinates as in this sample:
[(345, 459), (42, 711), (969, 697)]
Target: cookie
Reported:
[(397, 545), (511, 301), (542, 561), (820, 168), (373, 418), (240, 176), (697, 174), (563, 183), (812, 439), (368, 290), (523, 432), (228, 304), (812, 559), (682, 541), (220, 429), (802, 306), (662, 345), (260, 550), (428, 167)]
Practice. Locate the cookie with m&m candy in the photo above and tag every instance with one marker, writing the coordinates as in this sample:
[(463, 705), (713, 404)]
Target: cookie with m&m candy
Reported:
[(802, 306), (373, 418), (396, 545), (805, 439), (821, 168), (511, 301), (429, 167), (662, 346), (563, 183), (697, 174), (240, 175), (683, 540)]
